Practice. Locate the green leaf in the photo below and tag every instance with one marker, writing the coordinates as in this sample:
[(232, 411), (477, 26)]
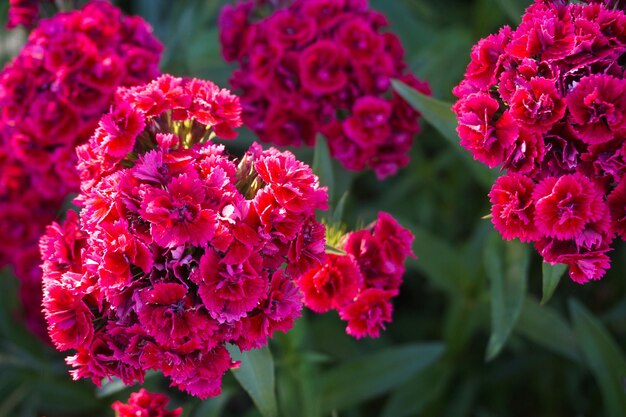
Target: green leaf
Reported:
[(603, 356), (413, 396), (551, 276), (506, 264), (256, 376), (439, 114), (438, 260), (340, 208), (323, 166), (546, 327), (366, 377)]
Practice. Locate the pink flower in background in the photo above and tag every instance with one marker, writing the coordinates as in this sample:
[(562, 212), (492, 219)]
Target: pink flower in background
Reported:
[(546, 102), (23, 13), (312, 67), (51, 98), (179, 247)]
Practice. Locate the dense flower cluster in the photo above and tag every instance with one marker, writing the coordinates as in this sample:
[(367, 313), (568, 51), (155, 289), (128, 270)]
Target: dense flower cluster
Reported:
[(361, 283), (51, 98), (322, 66), (145, 404), (547, 102), (179, 250)]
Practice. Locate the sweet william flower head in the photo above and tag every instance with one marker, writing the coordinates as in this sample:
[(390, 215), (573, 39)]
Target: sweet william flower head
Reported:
[(179, 247), (545, 102), (322, 67)]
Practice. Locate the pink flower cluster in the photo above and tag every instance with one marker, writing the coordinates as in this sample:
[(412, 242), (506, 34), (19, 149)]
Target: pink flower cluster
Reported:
[(547, 103), (179, 250), (361, 283), (51, 98), (322, 66), (145, 404)]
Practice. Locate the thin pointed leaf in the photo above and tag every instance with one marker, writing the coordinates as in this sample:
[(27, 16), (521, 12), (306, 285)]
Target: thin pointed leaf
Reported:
[(439, 114), (551, 277), (323, 165), (438, 260), (546, 327), (506, 264), (604, 358), (369, 376), (340, 208), (256, 376)]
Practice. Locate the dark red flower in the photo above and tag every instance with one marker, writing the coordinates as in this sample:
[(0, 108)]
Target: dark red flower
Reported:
[(333, 285), (597, 107), (369, 313), (488, 136)]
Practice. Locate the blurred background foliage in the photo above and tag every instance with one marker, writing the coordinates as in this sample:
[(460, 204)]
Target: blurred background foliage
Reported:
[(469, 336)]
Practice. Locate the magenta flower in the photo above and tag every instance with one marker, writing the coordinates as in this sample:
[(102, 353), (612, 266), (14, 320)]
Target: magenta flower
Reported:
[(333, 285), (180, 248), (488, 136), (369, 313), (597, 107), (513, 210), (23, 13), (537, 106)]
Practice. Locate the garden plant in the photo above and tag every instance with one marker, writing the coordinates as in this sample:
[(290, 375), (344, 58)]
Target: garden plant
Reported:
[(312, 208)]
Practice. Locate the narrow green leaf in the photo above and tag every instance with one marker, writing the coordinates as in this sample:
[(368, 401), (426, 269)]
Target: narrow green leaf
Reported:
[(604, 358), (256, 376), (323, 166), (551, 277), (438, 260), (413, 396), (439, 114), (340, 208), (506, 264), (546, 327), (364, 378)]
